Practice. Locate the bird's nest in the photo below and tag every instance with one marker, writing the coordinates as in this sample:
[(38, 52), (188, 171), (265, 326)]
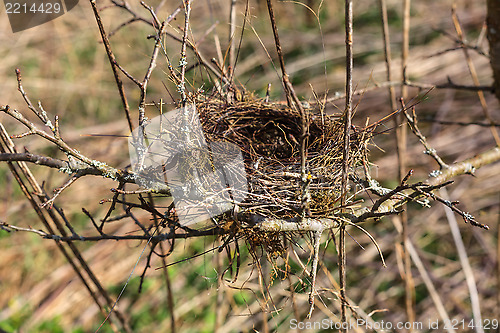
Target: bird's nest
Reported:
[(269, 136)]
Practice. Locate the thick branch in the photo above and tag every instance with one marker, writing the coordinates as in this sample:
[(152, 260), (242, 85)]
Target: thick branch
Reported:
[(286, 225), (468, 166), (33, 158)]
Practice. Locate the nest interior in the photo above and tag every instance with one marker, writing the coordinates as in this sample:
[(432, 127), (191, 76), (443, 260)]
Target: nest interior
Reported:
[(269, 136)]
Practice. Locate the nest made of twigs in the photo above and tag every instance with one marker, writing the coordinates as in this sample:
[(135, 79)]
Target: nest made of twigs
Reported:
[(269, 136)]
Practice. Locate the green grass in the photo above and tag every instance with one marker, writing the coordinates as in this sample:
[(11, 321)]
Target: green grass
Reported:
[(51, 326), (371, 18), (16, 321)]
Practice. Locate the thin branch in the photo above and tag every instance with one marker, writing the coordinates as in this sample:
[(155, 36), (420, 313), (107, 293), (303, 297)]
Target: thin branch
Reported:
[(280, 52), (412, 121), (459, 123), (77, 162), (468, 218), (170, 297), (8, 147), (473, 74), (183, 61), (26, 98), (401, 140), (466, 267), (293, 101), (156, 238), (387, 52), (206, 63), (441, 310), (479, 50), (9, 228), (151, 67), (345, 155), (449, 85), (135, 17), (49, 203), (316, 241), (113, 63), (232, 35), (463, 43)]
